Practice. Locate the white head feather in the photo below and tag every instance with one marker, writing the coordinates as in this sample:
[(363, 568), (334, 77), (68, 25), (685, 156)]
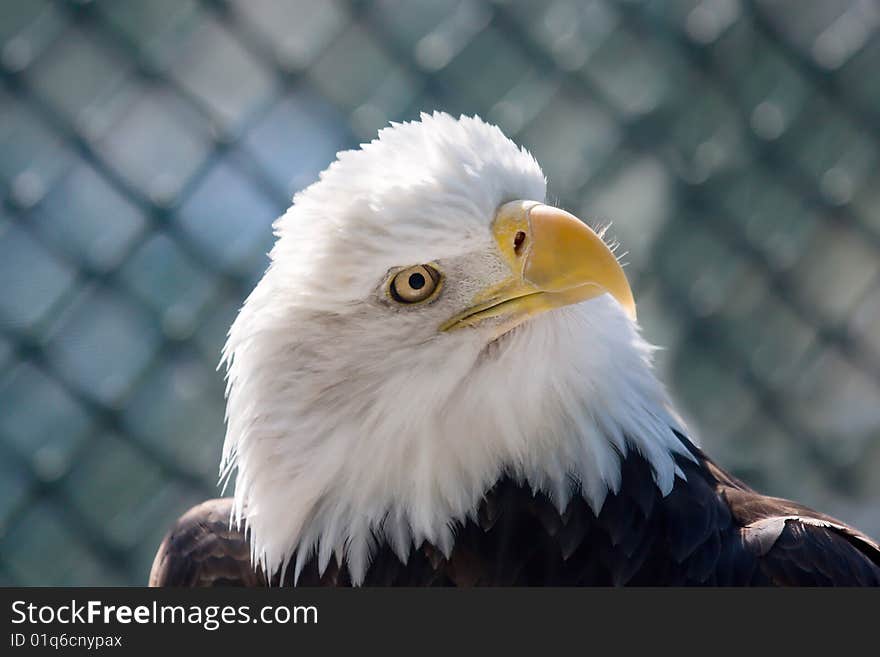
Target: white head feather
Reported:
[(351, 419)]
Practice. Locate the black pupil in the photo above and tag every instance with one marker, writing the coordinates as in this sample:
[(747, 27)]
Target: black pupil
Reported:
[(416, 281)]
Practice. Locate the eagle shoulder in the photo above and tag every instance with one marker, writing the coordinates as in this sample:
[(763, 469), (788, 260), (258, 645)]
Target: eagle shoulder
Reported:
[(800, 550), (796, 546), (203, 549)]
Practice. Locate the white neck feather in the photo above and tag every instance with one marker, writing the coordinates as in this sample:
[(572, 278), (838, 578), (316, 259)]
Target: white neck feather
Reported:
[(329, 465)]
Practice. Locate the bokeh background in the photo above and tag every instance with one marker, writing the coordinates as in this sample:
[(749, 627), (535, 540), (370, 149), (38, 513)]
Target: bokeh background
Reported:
[(146, 146)]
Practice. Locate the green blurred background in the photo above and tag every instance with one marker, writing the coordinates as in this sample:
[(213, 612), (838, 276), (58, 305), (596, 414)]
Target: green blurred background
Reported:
[(146, 146)]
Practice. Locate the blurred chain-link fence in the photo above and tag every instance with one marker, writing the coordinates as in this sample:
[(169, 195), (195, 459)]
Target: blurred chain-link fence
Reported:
[(145, 148)]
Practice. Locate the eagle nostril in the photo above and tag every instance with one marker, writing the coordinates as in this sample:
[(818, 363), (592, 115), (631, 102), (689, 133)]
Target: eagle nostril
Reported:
[(518, 241)]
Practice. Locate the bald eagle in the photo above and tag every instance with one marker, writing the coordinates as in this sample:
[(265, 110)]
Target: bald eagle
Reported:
[(440, 380)]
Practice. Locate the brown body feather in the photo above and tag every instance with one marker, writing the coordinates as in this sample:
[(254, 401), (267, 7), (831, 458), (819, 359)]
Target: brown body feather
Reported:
[(710, 530)]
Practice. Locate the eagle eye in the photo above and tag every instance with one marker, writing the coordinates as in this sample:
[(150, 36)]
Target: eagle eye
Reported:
[(414, 284)]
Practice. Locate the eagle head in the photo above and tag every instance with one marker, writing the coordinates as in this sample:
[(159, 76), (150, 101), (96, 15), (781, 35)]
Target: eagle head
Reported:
[(427, 325)]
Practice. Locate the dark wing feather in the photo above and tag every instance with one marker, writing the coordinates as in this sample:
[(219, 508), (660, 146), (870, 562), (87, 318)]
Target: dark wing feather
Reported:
[(203, 550), (782, 543), (807, 551)]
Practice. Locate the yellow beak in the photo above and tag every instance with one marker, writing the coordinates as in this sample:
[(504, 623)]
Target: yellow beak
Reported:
[(555, 260)]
